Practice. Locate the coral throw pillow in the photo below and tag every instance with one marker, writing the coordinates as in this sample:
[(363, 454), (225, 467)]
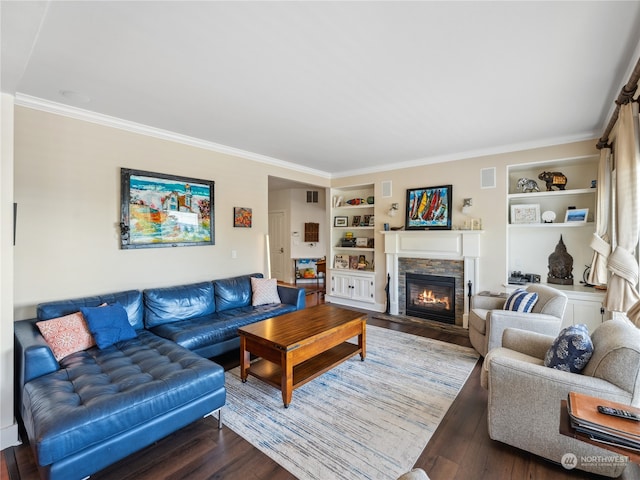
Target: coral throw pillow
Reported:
[(66, 335), (265, 291)]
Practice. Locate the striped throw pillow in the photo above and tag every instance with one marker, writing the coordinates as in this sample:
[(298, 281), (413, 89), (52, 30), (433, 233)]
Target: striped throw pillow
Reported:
[(521, 301)]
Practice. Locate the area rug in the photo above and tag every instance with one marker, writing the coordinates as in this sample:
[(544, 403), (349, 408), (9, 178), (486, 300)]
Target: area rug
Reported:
[(361, 420)]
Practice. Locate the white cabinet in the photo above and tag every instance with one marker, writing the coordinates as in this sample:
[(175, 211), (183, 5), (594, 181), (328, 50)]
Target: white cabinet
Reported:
[(352, 236), (358, 287), (584, 307)]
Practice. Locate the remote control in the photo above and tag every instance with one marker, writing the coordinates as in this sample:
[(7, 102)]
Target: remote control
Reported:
[(618, 413)]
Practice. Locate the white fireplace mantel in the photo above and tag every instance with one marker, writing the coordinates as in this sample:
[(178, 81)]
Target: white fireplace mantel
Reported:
[(445, 244)]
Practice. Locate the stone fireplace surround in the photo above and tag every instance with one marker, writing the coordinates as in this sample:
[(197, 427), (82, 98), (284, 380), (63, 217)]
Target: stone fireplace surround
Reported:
[(457, 245)]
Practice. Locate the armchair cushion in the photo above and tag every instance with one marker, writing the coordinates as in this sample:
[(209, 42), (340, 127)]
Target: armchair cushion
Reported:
[(521, 301), (571, 350)]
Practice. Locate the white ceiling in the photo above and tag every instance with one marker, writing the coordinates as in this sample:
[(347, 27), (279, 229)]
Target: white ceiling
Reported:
[(333, 87)]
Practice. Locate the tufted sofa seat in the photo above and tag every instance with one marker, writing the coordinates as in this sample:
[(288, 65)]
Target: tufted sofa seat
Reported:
[(101, 403)]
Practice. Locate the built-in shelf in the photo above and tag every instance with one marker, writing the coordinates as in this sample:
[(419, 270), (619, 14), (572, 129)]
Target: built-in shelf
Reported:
[(554, 193), (553, 225)]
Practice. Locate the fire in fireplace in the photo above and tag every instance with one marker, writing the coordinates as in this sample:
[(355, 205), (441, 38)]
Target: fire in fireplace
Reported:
[(431, 297)]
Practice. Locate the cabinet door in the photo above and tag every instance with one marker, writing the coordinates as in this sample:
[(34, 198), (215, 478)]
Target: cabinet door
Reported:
[(341, 285), (586, 312), (362, 289)]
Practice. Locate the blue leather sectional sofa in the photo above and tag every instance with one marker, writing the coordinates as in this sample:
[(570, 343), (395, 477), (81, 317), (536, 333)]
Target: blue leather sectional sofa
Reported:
[(96, 406)]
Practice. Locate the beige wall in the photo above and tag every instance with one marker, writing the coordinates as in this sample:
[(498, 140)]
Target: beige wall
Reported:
[(67, 186), (488, 204)]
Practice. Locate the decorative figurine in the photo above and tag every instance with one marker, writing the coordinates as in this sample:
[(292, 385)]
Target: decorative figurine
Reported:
[(553, 179), (560, 266), (527, 185)]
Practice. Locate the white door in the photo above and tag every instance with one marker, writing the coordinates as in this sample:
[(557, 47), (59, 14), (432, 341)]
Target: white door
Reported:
[(276, 244)]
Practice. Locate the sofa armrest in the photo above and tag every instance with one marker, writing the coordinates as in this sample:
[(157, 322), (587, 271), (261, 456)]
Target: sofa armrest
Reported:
[(292, 296), (511, 380), (32, 356), (530, 343), (499, 320)]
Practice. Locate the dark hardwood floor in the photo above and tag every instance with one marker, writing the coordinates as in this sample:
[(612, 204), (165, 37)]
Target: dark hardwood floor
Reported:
[(459, 449)]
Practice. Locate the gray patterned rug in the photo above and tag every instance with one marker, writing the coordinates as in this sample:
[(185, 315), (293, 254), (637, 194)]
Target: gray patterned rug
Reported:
[(361, 420)]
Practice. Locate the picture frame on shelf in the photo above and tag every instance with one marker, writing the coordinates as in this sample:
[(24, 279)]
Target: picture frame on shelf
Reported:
[(356, 221), (429, 208), (362, 242), (341, 261), (368, 221), (340, 221), (525, 214), (576, 215)]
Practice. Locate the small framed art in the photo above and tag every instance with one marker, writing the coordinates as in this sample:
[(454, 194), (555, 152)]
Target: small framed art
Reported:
[(340, 221), (525, 214), (242, 217), (576, 215)]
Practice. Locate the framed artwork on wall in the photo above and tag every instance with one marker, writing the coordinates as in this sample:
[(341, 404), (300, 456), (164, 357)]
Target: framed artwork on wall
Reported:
[(429, 208), (242, 217), (160, 210)]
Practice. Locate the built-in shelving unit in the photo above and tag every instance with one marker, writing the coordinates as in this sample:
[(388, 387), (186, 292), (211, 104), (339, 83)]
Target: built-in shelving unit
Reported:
[(529, 245), (351, 272)]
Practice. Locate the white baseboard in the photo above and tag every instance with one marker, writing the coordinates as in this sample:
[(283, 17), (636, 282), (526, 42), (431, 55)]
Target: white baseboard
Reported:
[(9, 436)]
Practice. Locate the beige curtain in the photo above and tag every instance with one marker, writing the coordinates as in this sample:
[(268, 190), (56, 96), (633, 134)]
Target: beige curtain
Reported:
[(622, 292), (600, 241)]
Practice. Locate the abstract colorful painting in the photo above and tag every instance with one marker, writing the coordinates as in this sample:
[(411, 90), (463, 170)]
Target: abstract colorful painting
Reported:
[(429, 208), (242, 217), (159, 210)]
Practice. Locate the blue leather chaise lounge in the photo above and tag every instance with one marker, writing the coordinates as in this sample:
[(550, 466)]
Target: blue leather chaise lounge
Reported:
[(96, 406)]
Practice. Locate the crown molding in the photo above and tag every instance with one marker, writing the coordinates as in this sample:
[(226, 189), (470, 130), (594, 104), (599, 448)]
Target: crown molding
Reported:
[(119, 123)]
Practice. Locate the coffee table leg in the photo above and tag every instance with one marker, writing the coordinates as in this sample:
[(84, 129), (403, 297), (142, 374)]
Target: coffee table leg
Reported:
[(362, 341), (244, 359), (286, 383)]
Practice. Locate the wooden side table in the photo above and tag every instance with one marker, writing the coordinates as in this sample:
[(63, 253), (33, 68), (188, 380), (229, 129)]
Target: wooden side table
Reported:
[(567, 430)]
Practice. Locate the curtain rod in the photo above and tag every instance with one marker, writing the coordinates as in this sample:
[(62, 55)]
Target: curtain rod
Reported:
[(626, 96)]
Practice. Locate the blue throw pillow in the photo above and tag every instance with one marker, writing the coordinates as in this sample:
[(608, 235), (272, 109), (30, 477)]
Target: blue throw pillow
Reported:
[(108, 324), (571, 351), (521, 301)]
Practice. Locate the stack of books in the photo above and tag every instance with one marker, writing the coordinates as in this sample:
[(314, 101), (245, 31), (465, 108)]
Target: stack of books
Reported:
[(611, 430)]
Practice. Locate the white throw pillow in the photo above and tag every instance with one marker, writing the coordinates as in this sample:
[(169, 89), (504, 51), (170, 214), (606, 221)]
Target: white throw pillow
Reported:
[(265, 291)]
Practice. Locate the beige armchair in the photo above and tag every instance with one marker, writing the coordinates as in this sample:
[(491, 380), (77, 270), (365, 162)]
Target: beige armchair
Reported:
[(524, 395), (487, 320)]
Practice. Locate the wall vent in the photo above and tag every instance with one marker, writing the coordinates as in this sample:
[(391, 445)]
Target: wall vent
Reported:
[(312, 196)]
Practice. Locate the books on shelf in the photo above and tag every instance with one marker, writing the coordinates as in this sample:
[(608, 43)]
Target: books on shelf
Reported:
[(585, 418)]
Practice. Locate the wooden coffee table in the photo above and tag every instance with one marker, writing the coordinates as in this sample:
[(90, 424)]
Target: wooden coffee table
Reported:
[(299, 346)]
